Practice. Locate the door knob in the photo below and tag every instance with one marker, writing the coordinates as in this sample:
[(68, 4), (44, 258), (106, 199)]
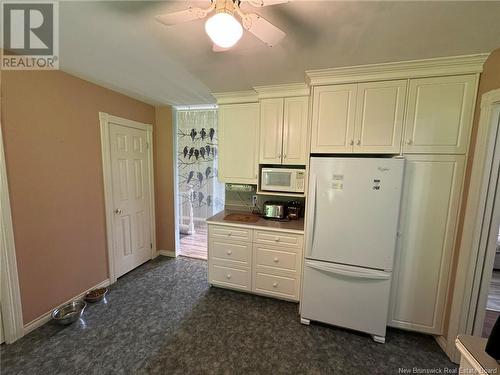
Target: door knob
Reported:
[(118, 211), (358, 142), (408, 142)]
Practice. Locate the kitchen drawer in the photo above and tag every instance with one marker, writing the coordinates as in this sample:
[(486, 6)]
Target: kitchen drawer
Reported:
[(278, 238), (278, 258), (276, 286), (231, 277), (229, 232), (233, 251)]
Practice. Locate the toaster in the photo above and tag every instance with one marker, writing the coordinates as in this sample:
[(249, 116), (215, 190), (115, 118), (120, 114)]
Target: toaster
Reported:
[(274, 210)]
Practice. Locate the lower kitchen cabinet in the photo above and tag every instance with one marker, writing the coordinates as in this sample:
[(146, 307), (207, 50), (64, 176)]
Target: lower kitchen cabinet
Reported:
[(266, 262), (428, 224)]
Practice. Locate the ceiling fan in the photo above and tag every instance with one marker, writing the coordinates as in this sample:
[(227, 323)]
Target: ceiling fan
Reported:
[(223, 28)]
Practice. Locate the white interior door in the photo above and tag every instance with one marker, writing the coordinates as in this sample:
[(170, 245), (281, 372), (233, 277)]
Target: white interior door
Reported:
[(130, 189)]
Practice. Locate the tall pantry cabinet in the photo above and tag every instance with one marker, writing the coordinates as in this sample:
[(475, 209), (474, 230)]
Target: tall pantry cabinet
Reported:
[(426, 115)]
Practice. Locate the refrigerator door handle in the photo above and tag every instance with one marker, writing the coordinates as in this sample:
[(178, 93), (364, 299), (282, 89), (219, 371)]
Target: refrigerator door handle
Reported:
[(349, 271), (311, 222)]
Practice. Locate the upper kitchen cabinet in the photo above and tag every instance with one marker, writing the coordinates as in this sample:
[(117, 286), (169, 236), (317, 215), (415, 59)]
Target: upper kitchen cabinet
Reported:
[(271, 131), (333, 118), (238, 143), (439, 114), (378, 126), (284, 111), (283, 130), (296, 112), (360, 118)]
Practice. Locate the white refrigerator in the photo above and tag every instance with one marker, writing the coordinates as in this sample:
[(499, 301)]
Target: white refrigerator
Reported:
[(352, 221)]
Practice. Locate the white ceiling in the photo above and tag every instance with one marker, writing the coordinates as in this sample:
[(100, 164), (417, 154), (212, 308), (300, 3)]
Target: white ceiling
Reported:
[(119, 45)]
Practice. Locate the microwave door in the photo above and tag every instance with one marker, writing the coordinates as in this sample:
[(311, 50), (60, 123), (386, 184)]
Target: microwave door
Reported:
[(277, 181)]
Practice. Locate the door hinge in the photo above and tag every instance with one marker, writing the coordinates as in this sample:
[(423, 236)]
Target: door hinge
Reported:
[(151, 245)]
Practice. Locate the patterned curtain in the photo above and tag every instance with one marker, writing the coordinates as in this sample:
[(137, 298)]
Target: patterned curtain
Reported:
[(197, 164)]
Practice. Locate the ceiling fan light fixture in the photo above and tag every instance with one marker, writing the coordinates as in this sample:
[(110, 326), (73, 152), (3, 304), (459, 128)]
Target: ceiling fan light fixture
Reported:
[(224, 30)]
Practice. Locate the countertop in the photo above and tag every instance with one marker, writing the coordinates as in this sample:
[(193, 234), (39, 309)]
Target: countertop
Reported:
[(285, 226), (472, 346)]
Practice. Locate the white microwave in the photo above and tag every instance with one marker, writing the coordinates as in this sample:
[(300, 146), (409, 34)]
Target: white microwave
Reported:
[(282, 180)]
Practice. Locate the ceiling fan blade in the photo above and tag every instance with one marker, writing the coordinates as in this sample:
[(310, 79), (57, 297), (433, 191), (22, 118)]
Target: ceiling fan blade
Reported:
[(191, 14), (265, 3), (263, 29)]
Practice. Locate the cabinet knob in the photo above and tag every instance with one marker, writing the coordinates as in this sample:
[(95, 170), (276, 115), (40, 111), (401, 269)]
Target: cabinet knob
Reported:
[(228, 276), (229, 252), (230, 234), (277, 239), (275, 285), (351, 142), (276, 260), (408, 141), (284, 156), (118, 211), (358, 142)]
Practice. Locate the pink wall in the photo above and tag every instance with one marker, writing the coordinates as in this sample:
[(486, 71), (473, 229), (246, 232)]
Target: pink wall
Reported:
[(52, 145)]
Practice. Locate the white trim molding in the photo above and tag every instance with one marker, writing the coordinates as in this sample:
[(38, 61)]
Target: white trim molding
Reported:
[(10, 295), (44, 318), (442, 66), (463, 300), (282, 91), (104, 120), (235, 97)]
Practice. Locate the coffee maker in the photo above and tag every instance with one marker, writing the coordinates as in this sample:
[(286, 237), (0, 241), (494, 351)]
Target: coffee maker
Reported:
[(293, 210)]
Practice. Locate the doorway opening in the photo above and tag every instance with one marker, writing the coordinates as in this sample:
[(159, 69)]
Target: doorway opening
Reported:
[(493, 302), (488, 264), (200, 195)]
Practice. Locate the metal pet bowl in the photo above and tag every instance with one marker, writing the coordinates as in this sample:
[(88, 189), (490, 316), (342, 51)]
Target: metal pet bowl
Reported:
[(69, 313)]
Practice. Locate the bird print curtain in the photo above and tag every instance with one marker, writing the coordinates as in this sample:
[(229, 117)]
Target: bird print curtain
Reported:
[(197, 148)]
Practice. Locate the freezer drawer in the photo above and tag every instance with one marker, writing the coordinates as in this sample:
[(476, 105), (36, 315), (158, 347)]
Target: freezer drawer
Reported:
[(346, 296)]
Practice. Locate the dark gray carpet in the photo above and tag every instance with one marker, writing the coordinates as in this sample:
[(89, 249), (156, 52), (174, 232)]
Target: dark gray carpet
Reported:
[(164, 318)]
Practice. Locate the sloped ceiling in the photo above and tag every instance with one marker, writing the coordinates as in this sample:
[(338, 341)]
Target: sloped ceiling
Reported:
[(119, 45)]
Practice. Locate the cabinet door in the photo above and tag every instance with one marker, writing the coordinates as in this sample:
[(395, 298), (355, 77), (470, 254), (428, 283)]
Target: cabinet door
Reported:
[(271, 131), (295, 130), (428, 221), (379, 117), (238, 143), (333, 118), (439, 115)]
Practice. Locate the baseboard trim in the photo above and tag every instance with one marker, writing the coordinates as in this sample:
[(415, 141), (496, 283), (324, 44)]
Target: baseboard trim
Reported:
[(41, 320), (167, 253)]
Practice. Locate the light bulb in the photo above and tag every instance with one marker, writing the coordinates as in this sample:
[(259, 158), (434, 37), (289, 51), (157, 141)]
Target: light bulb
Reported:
[(224, 29)]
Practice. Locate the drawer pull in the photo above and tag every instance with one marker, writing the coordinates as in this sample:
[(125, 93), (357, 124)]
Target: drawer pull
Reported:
[(277, 239), (275, 285), (229, 252), (228, 276), (276, 260)]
